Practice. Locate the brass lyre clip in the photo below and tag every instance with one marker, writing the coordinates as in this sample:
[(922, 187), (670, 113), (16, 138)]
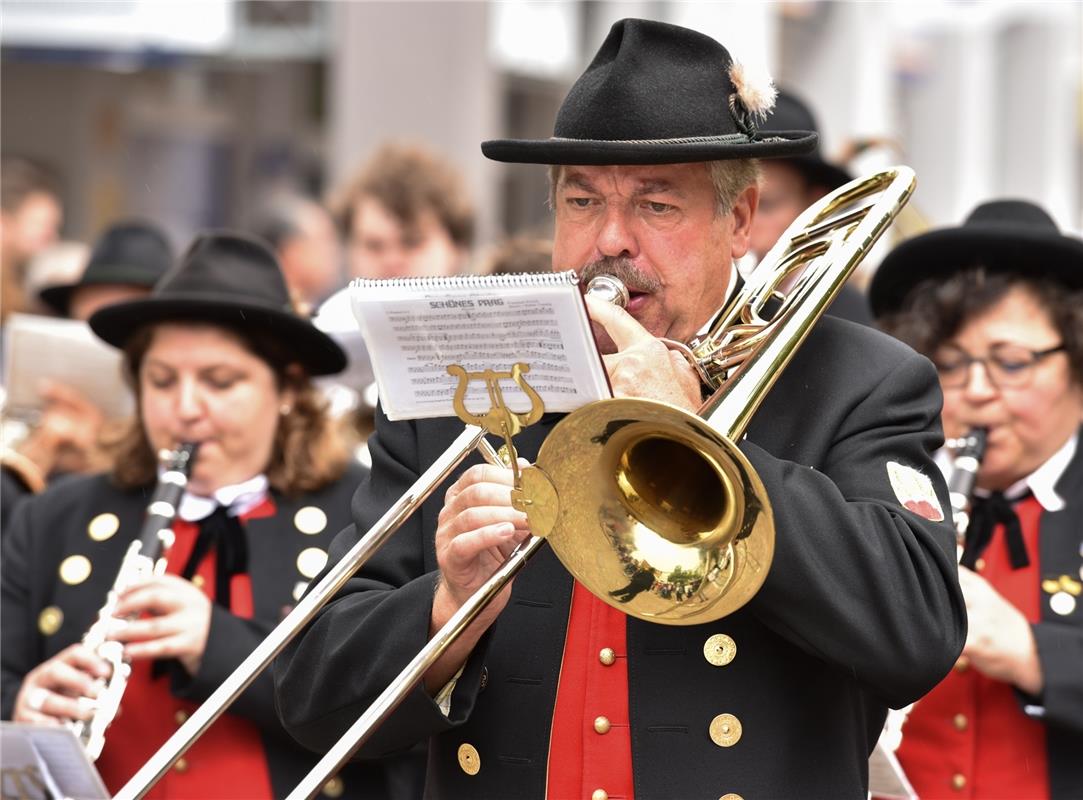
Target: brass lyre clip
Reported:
[(537, 498)]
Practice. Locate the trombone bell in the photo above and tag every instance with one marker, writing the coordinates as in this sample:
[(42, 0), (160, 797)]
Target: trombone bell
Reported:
[(660, 515)]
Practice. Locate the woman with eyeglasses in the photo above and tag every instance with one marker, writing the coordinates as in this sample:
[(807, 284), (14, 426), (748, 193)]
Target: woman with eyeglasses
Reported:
[(997, 305)]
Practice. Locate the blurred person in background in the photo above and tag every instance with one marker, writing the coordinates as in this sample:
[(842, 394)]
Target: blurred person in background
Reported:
[(406, 213), (520, 254), (215, 357), (59, 263), (997, 304), (30, 217), (790, 185), (125, 263), (302, 234)]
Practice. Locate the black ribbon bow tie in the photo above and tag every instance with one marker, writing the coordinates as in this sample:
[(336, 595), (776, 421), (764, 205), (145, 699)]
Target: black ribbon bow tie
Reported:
[(224, 534), (985, 514)]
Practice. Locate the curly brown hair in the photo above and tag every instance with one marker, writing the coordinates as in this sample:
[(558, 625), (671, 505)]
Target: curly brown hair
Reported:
[(936, 309), (408, 181), (308, 452)]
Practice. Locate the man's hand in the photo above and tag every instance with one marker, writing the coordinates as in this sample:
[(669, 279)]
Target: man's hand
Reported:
[(999, 641), (643, 366), (61, 688), (476, 531), (175, 620)]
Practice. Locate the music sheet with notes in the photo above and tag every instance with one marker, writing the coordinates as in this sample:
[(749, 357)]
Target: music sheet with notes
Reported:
[(415, 328)]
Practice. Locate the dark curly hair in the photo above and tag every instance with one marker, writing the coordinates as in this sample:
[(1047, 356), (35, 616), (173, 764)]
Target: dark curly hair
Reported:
[(308, 452), (936, 309)]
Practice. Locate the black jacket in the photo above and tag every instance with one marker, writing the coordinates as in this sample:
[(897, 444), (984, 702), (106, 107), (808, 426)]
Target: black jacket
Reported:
[(52, 526), (861, 609)]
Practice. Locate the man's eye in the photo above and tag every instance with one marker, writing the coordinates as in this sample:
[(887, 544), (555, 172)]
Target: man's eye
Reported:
[(579, 202), (658, 208)]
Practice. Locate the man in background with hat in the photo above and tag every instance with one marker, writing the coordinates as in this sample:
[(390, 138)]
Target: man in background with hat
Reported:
[(126, 261), (789, 186), (1004, 292), (553, 693)]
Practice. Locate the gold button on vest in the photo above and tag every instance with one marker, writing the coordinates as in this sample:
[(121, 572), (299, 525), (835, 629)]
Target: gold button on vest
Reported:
[(607, 656), (181, 765), (601, 725), (599, 794), (102, 527), (958, 782), (959, 721), (180, 717), (49, 620), (469, 759), (725, 730), (334, 787), (719, 650)]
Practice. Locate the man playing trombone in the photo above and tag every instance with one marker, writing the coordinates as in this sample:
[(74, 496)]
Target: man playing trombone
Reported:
[(552, 692)]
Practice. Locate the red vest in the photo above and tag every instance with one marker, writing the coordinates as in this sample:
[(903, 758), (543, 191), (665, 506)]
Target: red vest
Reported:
[(228, 761), (969, 738), (590, 745)]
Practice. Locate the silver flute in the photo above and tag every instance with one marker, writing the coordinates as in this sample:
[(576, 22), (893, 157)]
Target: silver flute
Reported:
[(145, 558)]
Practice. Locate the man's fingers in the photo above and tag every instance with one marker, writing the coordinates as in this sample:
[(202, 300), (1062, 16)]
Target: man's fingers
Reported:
[(618, 323), (465, 547)]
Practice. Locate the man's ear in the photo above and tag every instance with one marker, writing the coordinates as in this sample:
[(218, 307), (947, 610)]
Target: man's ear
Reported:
[(744, 210)]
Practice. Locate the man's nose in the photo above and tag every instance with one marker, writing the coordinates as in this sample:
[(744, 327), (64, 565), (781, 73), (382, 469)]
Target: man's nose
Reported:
[(616, 238)]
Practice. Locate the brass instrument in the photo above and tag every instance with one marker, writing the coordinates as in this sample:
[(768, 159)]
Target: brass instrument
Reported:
[(714, 524), (144, 558)]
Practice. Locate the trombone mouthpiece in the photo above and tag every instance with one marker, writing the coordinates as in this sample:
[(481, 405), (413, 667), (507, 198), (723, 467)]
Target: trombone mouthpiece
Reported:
[(608, 288)]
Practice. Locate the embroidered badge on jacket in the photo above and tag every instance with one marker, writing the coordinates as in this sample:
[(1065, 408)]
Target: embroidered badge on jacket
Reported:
[(915, 491)]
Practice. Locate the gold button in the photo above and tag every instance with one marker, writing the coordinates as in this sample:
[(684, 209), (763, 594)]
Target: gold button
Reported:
[(601, 725), (334, 787), (181, 765), (963, 664), (180, 717), (979, 565), (74, 570), (49, 620), (103, 526), (725, 730), (731, 796), (719, 650), (469, 759), (198, 581), (1050, 586), (958, 781), (607, 657), (599, 794), (310, 520), (959, 721), (311, 561)]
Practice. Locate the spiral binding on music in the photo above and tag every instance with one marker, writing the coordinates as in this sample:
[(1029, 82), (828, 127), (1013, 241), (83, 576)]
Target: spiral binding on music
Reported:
[(471, 282)]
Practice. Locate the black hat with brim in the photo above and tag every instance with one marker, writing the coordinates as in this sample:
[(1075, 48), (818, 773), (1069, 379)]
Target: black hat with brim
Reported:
[(656, 94), (230, 280), (1002, 236), (791, 113), (132, 253)]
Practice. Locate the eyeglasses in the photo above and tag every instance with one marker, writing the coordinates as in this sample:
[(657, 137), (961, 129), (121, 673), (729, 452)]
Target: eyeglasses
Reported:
[(1007, 365)]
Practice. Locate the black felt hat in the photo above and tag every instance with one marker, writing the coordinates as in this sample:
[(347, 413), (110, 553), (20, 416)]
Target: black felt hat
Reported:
[(657, 94), (232, 280), (789, 114), (1000, 235), (132, 253)]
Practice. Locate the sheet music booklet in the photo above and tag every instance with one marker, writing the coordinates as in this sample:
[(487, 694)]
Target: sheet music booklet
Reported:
[(416, 327), (46, 763)]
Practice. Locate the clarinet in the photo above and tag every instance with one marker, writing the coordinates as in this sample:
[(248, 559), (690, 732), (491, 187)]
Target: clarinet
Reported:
[(145, 558), (969, 451)]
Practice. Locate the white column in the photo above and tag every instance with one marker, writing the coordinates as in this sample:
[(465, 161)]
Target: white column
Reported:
[(418, 72)]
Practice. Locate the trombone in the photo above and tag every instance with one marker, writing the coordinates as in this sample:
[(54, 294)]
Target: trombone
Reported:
[(711, 532)]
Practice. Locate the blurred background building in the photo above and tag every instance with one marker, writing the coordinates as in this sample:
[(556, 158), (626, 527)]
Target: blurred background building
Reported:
[(190, 112)]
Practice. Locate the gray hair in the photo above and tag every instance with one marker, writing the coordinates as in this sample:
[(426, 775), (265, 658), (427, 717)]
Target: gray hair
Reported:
[(730, 177)]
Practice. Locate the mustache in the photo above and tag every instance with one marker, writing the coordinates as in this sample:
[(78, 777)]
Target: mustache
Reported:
[(623, 270)]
